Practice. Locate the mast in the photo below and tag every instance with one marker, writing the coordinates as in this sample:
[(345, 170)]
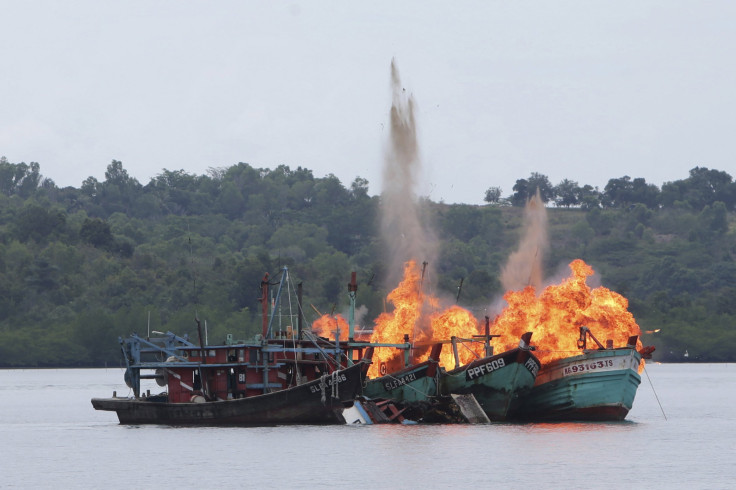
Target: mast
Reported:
[(300, 313), (264, 304), (352, 290), (284, 276)]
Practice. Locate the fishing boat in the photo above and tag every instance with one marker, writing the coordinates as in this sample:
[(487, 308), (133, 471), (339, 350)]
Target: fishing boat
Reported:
[(410, 385), (497, 382), (481, 391), (403, 391), (598, 385), (277, 378)]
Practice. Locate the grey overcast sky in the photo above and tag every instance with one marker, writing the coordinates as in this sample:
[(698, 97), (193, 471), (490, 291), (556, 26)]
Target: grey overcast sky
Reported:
[(586, 90)]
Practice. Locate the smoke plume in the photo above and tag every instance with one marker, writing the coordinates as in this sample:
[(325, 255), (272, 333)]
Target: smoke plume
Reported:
[(401, 225), (524, 267)]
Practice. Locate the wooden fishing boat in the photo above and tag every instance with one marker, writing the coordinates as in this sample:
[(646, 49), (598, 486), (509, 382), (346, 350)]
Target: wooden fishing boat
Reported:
[(414, 383), (597, 385), (274, 379), (497, 382)]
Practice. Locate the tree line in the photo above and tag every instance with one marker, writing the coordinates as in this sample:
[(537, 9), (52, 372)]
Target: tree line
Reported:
[(703, 187), (81, 266)]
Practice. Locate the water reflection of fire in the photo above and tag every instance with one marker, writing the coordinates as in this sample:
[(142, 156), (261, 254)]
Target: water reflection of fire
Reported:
[(554, 316)]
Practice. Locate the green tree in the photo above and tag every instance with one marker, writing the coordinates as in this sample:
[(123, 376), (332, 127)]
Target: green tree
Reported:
[(97, 233), (493, 195)]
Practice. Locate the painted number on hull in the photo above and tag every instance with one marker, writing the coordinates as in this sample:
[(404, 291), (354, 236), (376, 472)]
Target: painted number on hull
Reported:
[(587, 366), (483, 369), (318, 389), (396, 382), (532, 366)]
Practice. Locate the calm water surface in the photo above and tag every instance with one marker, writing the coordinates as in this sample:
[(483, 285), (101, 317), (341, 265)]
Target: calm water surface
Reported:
[(52, 438)]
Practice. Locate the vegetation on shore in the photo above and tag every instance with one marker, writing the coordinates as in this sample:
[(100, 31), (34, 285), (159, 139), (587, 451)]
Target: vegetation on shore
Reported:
[(81, 266)]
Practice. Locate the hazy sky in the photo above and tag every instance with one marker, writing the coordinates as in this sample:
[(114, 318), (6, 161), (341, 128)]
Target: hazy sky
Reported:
[(586, 90)]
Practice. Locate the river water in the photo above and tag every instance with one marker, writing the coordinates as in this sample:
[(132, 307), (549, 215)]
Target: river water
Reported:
[(52, 438)]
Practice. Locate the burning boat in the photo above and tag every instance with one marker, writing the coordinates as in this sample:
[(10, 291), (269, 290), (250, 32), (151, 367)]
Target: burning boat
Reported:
[(283, 378), (598, 385), (413, 376), (497, 382), (395, 387), (574, 382)]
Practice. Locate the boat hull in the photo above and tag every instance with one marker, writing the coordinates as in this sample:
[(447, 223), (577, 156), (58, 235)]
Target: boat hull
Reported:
[(496, 382), (596, 386), (413, 384), (315, 402)]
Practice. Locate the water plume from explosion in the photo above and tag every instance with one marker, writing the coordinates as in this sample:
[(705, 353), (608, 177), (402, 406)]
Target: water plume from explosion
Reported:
[(402, 231), (524, 266)]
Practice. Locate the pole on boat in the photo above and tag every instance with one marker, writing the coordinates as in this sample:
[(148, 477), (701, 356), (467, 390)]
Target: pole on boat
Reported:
[(489, 348), (352, 290), (300, 315), (203, 354), (453, 339), (284, 276), (421, 294), (264, 304)]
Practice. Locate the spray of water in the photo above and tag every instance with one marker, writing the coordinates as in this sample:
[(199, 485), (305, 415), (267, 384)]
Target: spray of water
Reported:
[(402, 230), (524, 267)]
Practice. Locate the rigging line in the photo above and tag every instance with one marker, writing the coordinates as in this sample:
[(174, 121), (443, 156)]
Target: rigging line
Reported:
[(311, 337), (294, 338), (655, 392), (471, 350)]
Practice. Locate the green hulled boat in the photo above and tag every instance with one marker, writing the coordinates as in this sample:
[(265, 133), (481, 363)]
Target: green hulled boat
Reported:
[(596, 385), (413, 384), (497, 381)]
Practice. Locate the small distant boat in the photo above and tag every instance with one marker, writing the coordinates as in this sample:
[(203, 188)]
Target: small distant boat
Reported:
[(273, 379), (598, 385), (496, 382)]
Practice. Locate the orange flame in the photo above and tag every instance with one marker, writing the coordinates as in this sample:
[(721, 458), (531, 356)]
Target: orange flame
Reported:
[(455, 322), (326, 325), (555, 318), (423, 327), (557, 314), (390, 328)]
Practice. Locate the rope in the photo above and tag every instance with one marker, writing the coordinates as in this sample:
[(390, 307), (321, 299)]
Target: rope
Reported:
[(655, 393), (322, 386), (298, 377), (471, 350)]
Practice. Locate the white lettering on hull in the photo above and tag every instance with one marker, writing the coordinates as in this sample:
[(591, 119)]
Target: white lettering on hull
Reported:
[(485, 368), (584, 366)]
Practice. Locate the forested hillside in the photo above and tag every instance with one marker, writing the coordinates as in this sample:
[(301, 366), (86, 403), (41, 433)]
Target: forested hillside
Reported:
[(81, 266)]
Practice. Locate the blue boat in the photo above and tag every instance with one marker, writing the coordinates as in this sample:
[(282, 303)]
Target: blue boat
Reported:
[(597, 385)]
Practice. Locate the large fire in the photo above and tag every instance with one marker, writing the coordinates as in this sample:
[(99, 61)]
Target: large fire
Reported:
[(417, 315), (554, 316)]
